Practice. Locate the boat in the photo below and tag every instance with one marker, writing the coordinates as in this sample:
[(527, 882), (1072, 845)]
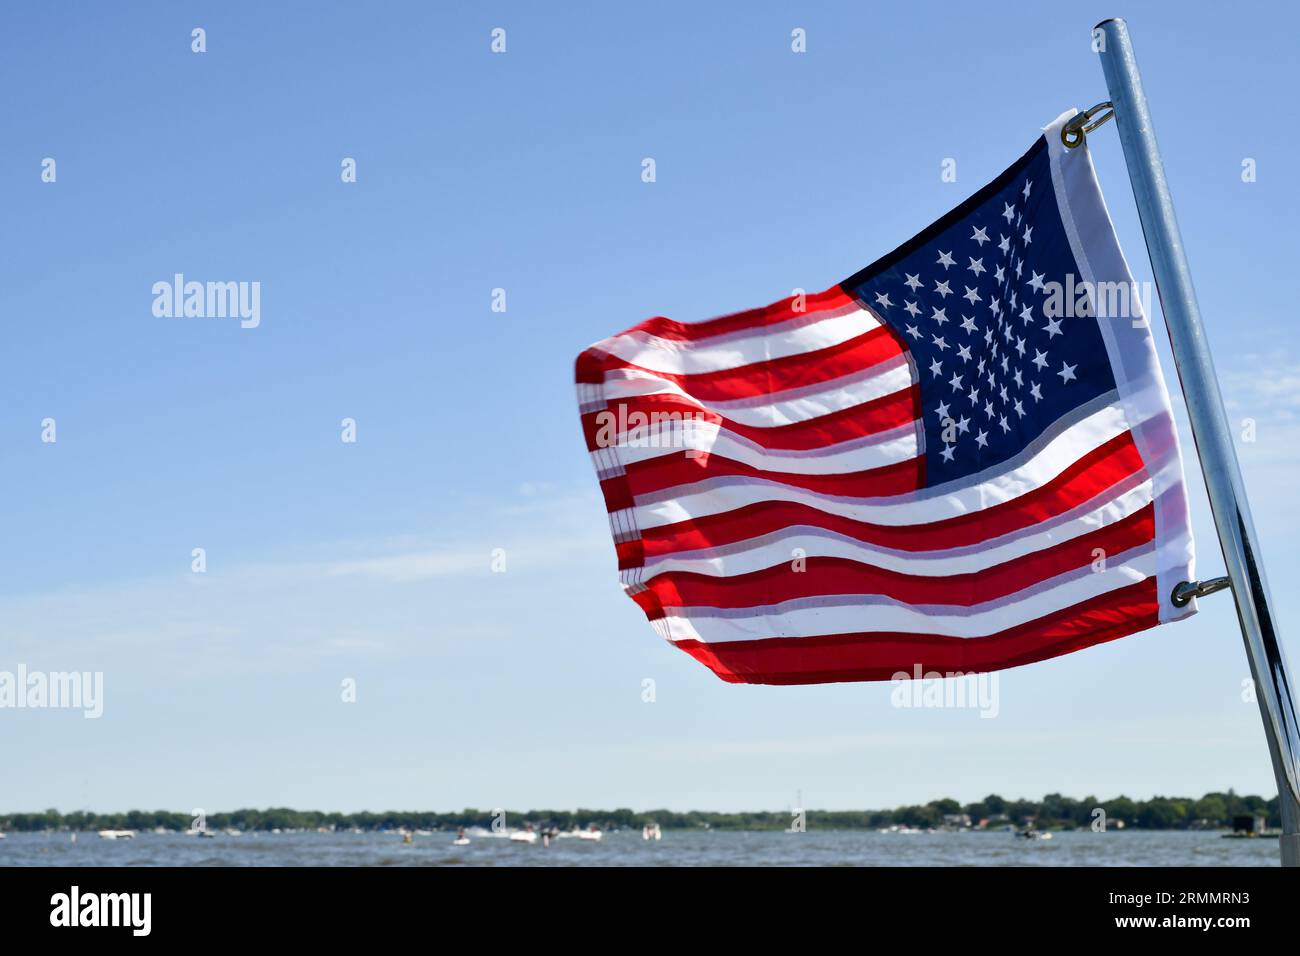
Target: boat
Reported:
[(201, 832), (523, 836), (651, 831), (117, 834), (592, 834), (460, 841), (1033, 834)]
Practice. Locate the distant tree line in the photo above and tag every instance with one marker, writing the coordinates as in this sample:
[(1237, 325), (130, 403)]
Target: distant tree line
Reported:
[(1214, 810)]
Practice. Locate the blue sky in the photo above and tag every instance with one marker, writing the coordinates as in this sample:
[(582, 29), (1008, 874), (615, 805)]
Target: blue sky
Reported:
[(370, 561)]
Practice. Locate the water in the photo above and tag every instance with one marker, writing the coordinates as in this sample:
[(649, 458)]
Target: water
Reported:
[(677, 848)]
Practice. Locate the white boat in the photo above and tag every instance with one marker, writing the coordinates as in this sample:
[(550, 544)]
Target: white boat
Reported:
[(651, 831), (116, 834), (461, 841), (198, 832), (523, 836), (593, 835)]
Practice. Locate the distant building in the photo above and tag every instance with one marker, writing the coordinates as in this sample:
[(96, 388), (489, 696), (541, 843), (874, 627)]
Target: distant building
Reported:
[(960, 821)]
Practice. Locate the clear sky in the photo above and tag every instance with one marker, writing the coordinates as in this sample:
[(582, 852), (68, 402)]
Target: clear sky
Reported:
[(370, 561)]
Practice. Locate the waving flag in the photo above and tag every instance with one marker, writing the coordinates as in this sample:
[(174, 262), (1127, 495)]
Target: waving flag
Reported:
[(959, 459)]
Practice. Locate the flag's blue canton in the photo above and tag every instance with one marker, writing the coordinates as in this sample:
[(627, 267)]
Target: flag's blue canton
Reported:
[(967, 297)]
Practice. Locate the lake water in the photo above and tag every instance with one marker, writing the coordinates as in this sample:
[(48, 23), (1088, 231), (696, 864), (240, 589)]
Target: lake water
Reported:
[(677, 848)]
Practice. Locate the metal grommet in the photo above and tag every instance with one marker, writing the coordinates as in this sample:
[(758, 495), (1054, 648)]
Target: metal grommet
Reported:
[(1076, 129)]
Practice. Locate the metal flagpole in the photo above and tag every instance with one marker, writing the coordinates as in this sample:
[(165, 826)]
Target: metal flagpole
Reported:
[(1209, 422)]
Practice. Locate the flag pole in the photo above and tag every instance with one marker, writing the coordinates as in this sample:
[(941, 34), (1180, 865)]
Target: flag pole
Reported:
[(1210, 429)]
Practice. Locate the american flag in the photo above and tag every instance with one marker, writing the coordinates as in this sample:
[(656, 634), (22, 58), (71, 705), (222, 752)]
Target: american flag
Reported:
[(959, 459)]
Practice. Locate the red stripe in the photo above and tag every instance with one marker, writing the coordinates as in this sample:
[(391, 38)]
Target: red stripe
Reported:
[(667, 471), (829, 576), (858, 421), (865, 656), (1082, 481), (761, 378), (765, 317)]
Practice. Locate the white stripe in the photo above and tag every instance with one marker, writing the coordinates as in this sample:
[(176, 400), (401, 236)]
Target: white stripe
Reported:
[(1132, 356), (1063, 451), (778, 549), (768, 622), (893, 376), (688, 358), (700, 437)]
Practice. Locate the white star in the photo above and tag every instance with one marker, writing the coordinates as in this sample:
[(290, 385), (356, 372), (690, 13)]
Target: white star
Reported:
[(955, 381), (911, 309), (1066, 372), (1009, 212), (1002, 421), (981, 235), (1005, 244), (1000, 276), (913, 331), (1040, 359), (936, 367), (946, 453), (1035, 392), (942, 289), (976, 266), (974, 396), (939, 343), (968, 324), (1027, 314), (963, 425), (913, 282), (1026, 192), (1019, 381), (1018, 265), (1053, 328), (1020, 346), (945, 259), (1002, 393), (988, 408), (939, 316), (1028, 232), (971, 295), (942, 410), (982, 439), (882, 299), (1020, 409)]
